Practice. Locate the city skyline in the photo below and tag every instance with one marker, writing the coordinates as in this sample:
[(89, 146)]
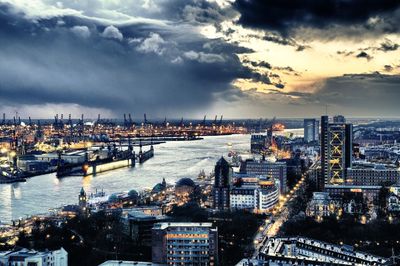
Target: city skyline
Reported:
[(242, 59)]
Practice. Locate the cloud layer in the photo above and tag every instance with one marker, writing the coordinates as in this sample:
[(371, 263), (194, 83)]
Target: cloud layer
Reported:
[(286, 17), (130, 68), (240, 58)]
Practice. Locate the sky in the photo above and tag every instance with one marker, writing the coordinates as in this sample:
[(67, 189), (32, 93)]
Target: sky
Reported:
[(190, 58)]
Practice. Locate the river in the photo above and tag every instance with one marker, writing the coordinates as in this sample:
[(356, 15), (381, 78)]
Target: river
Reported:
[(172, 161)]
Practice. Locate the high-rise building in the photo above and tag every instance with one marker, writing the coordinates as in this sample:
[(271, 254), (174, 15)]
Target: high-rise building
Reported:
[(185, 244), (311, 130), (324, 154), (336, 149), (223, 175)]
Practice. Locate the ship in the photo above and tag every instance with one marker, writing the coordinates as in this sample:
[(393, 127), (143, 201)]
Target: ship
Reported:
[(8, 177), (121, 159)]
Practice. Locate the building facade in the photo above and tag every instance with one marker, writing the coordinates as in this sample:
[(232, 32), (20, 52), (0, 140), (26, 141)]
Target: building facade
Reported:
[(306, 251), (321, 205), (275, 170), (311, 130), (368, 193), (258, 195), (377, 175), (336, 149), (222, 183), (31, 257), (138, 226), (185, 244), (258, 143)]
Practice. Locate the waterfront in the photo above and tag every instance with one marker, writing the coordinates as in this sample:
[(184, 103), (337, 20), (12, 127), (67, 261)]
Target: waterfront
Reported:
[(172, 161)]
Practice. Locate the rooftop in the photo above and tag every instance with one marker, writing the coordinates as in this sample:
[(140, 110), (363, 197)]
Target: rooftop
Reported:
[(274, 247), (167, 225), (126, 263)]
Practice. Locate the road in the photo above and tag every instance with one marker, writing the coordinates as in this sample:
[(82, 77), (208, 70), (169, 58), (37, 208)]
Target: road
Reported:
[(278, 216)]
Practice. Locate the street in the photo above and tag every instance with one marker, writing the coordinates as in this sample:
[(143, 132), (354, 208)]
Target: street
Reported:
[(278, 216)]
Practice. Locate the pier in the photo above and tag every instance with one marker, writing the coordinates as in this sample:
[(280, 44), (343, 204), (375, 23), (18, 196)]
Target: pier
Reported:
[(144, 156), (121, 159)]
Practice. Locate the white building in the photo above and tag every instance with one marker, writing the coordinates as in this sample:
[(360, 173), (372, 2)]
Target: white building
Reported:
[(25, 257), (306, 251), (72, 157), (256, 194)]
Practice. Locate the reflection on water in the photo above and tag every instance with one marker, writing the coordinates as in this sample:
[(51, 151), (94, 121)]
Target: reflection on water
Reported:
[(172, 161)]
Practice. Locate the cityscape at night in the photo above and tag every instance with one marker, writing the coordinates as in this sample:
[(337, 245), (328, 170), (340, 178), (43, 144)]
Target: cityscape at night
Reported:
[(199, 132)]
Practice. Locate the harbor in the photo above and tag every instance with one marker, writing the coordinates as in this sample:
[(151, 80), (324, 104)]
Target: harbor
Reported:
[(172, 161)]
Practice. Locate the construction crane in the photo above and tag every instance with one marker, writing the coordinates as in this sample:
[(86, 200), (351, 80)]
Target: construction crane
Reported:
[(130, 120)]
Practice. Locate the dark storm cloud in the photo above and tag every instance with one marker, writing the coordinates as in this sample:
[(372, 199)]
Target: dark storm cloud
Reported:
[(138, 68), (391, 68), (388, 46), (388, 68), (288, 70), (279, 40), (363, 54), (285, 16), (345, 53), (287, 41), (371, 94), (361, 94), (263, 64), (257, 77)]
